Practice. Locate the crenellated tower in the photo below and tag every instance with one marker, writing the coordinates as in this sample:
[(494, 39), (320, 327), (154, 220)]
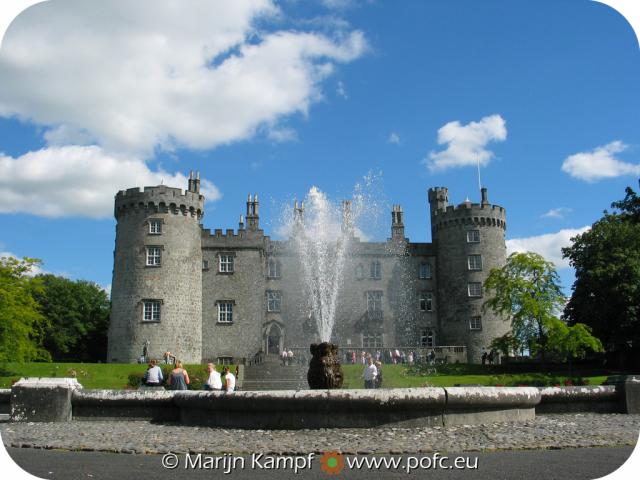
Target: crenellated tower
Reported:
[(156, 292), (469, 239)]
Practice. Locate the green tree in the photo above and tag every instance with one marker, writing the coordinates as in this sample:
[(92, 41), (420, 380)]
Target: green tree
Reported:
[(570, 342), (507, 344), (606, 292), (21, 324), (78, 314), (527, 290)]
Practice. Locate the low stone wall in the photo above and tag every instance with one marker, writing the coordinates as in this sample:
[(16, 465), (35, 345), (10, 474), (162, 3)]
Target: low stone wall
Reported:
[(64, 400), (600, 399), (5, 400)]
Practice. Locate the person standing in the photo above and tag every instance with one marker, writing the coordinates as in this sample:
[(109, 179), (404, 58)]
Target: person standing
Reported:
[(214, 382), (179, 378), (229, 380), (153, 376), (378, 380), (370, 372)]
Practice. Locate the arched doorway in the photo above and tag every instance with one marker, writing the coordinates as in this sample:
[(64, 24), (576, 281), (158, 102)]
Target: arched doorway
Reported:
[(273, 340)]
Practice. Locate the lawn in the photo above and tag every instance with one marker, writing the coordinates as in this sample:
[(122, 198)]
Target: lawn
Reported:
[(116, 375)]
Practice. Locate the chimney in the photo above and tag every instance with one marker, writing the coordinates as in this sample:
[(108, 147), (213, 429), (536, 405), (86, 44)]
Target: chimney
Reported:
[(196, 183), (397, 224), (190, 184), (483, 193)]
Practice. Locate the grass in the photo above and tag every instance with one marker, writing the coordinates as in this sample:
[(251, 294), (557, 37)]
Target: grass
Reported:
[(115, 375), (90, 375)]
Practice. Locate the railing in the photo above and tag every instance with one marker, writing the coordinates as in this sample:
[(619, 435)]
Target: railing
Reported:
[(419, 355)]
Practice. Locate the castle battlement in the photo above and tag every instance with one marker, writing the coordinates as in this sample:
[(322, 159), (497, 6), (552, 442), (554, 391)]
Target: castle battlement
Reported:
[(159, 199)]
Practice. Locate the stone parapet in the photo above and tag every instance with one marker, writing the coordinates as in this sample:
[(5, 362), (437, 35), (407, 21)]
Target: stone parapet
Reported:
[(42, 399)]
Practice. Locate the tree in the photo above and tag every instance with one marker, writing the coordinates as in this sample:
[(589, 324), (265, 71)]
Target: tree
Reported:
[(527, 290), (569, 342), (21, 323), (78, 314), (606, 292)]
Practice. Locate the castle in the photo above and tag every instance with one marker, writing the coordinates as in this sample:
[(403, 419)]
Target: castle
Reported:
[(227, 296)]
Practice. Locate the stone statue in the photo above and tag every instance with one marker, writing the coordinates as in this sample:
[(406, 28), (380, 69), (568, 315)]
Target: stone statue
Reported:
[(324, 368)]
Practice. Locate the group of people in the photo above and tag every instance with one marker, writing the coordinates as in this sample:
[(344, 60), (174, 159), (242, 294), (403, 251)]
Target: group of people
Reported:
[(490, 357), (179, 378), (391, 356), (372, 373)]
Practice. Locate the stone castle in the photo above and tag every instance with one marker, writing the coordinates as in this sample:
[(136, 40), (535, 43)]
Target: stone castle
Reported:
[(227, 296)]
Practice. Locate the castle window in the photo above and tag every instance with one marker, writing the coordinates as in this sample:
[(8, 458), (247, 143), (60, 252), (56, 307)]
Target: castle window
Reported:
[(225, 311), (274, 301), (226, 263), (425, 270), (475, 289), (273, 268), (372, 340), (475, 323), (155, 226), (151, 310), (360, 272), (205, 264), (374, 301), (153, 256), (427, 339), (376, 270), (224, 361), (426, 301), (474, 262), (473, 236)]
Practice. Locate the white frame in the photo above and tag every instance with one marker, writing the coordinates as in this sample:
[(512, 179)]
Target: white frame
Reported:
[(274, 301), (151, 309), (424, 271), (427, 299), (226, 263), (155, 226), (154, 256), (473, 236), (477, 287), (475, 323), (474, 262), (225, 312)]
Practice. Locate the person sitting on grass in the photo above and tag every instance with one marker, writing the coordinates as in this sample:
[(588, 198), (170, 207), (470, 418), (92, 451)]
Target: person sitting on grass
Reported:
[(214, 382), (153, 376), (229, 380), (179, 378)]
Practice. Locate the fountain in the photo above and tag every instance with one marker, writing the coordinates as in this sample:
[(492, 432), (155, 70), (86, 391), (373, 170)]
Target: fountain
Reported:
[(321, 244)]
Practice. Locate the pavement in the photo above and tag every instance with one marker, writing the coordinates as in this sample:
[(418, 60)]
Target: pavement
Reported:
[(567, 446)]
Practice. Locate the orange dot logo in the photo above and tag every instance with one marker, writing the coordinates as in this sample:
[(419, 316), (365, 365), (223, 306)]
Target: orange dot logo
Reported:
[(332, 463)]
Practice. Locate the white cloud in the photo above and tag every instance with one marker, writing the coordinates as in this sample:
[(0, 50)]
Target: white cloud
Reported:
[(466, 143), (557, 212), (394, 138), (282, 134), (341, 91), (599, 163), (77, 181), (548, 245), (135, 76), (35, 270)]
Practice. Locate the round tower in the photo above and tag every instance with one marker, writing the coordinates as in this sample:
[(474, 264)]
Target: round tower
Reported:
[(156, 292), (470, 241)]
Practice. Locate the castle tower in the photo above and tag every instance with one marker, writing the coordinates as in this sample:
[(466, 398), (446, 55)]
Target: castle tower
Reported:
[(470, 240), (397, 223), (253, 215), (156, 293)]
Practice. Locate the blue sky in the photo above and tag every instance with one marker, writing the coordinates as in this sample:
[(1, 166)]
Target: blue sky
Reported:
[(276, 97)]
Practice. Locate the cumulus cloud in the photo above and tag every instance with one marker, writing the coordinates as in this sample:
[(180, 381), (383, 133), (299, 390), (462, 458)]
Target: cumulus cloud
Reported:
[(599, 163), (560, 212), (466, 144), (548, 245), (394, 138), (137, 76), (77, 181)]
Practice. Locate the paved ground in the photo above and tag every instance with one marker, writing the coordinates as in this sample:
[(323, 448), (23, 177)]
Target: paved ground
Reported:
[(546, 431), (569, 464)]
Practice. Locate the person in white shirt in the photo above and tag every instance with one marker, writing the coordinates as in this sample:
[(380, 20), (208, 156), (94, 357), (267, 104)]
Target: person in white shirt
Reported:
[(229, 380), (370, 373), (153, 377), (214, 382)]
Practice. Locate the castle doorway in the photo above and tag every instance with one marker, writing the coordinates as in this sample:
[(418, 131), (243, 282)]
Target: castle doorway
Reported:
[(273, 340)]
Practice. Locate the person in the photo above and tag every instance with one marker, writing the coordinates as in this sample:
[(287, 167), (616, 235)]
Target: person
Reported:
[(410, 358), (214, 382), (353, 357), (378, 382), (484, 358), (283, 356), (229, 380), (169, 358), (179, 378), (432, 357), (290, 357), (490, 357), (153, 376), (370, 372)]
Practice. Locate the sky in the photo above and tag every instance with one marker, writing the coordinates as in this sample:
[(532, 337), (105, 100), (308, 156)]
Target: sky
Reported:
[(274, 98)]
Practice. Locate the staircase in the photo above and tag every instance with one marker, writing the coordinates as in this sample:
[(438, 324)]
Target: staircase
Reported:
[(272, 375)]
